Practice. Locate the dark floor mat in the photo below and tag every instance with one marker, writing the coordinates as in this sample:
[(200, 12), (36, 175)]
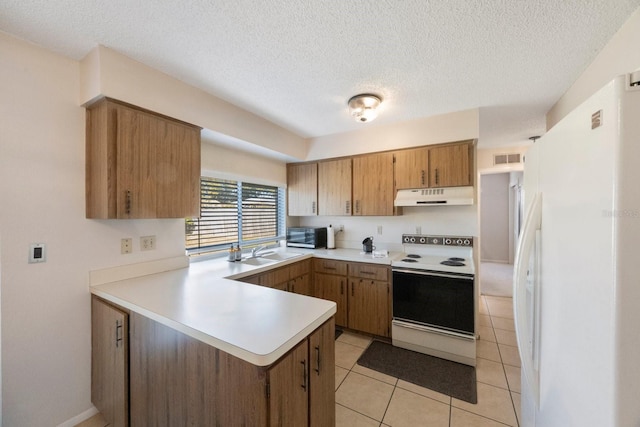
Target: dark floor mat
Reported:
[(450, 378)]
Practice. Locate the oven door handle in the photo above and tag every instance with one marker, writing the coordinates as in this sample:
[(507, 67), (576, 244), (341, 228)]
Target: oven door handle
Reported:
[(430, 273)]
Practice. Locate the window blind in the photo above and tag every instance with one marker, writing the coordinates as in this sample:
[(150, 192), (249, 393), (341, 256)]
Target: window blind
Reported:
[(232, 212)]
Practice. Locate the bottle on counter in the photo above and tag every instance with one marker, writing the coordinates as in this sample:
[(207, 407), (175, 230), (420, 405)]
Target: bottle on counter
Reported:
[(238, 254), (232, 253)]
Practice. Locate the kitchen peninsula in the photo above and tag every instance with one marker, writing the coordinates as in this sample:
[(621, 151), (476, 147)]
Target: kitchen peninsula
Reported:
[(204, 349)]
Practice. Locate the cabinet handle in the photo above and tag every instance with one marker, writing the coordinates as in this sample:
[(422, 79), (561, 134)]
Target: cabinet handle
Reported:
[(341, 287), (437, 177), (318, 359), (346, 207), (357, 206), (313, 207), (351, 288), (127, 203), (367, 272), (422, 176), (304, 374), (118, 333)]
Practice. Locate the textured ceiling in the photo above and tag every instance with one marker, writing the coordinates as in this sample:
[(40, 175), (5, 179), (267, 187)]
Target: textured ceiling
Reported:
[(297, 63)]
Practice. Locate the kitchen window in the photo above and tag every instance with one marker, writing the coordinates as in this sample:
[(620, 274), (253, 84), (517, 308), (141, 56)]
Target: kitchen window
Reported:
[(233, 212)]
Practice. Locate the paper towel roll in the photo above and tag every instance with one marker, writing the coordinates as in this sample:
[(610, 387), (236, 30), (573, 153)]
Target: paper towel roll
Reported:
[(331, 238)]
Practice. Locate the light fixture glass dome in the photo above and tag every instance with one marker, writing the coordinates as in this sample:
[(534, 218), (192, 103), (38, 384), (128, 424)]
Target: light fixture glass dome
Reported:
[(363, 107)]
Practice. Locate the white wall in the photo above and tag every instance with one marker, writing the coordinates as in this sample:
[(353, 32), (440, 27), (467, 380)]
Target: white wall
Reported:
[(494, 217), (45, 307), (621, 55)]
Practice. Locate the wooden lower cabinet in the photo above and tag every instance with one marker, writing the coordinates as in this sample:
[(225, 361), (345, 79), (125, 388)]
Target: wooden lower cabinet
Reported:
[(333, 288), (177, 380), (369, 306), (110, 362)]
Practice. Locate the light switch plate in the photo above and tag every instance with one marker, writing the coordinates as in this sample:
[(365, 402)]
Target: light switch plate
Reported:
[(37, 253)]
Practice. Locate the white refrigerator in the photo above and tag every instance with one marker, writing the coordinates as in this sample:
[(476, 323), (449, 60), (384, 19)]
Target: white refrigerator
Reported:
[(577, 267)]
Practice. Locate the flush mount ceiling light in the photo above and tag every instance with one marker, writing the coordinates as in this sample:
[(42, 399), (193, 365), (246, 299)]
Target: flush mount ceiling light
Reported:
[(363, 107)]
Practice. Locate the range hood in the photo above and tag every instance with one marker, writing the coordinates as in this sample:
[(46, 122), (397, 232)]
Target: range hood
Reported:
[(447, 196)]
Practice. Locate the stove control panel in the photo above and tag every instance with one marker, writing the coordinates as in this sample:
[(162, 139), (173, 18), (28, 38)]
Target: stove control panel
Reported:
[(419, 239)]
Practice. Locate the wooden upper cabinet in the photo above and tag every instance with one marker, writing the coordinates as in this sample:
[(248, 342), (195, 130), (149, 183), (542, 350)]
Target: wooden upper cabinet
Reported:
[(140, 164), (451, 165), (302, 189), (373, 191), (334, 187), (412, 168)]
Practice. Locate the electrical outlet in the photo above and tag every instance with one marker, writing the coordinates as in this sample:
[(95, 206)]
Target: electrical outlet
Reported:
[(147, 243), (340, 228), (379, 229), (418, 229), (126, 245)]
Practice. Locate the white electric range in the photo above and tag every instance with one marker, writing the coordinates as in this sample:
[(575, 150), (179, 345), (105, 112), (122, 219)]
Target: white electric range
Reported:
[(435, 298)]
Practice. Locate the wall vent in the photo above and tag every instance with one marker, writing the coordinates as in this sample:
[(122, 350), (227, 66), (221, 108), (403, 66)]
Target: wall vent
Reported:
[(504, 159)]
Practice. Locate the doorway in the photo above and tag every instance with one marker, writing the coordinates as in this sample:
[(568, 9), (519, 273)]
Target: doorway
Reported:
[(501, 204)]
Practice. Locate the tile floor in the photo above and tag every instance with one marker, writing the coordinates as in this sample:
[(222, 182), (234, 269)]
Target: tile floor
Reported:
[(369, 398)]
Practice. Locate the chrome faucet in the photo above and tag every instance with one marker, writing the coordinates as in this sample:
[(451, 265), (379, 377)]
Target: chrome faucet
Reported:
[(254, 251)]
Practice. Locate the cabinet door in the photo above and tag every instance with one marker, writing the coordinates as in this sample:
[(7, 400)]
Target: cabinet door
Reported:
[(333, 288), (412, 168), (109, 362), (289, 386), (450, 165), (302, 189), (373, 184), (369, 306), (334, 187), (301, 285), (158, 166), (322, 400)]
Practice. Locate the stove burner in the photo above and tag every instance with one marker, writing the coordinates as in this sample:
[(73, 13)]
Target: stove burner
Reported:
[(456, 259), (453, 263), (413, 256), (409, 260)]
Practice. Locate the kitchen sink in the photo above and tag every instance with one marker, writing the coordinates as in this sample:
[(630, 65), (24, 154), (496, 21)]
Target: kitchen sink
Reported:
[(258, 261), (280, 256)]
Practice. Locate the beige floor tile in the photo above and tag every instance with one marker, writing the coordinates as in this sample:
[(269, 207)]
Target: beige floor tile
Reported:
[(484, 320), (364, 395), (500, 307), (489, 372), (346, 417), (374, 374), (354, 339), (516, 397), (486, 333), (347, 355), (96, 421), (488, 350), (410, 409), (493, 402), (341, 374), (482, 306), (460, 418), (513, 377), (503, 323), (510, 355), (506, 337), (426, 392)]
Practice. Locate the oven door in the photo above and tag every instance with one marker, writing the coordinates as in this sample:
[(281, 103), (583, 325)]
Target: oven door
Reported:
[(438, 300)]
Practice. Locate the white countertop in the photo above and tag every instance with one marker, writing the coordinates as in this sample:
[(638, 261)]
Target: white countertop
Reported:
[(255, 323)]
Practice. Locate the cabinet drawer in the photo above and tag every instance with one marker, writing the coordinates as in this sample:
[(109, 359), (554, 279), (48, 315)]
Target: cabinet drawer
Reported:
[(330, 266), (369, 271), (299, 268)]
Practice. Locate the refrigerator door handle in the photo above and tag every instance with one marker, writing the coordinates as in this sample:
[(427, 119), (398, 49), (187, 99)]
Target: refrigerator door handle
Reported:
[(526, 244)]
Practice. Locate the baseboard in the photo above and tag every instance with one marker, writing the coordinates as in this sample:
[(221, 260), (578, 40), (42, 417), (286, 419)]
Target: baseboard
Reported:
[(79, 418)]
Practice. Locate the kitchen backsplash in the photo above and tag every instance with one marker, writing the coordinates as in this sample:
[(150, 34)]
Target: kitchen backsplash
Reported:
[(387, 231)]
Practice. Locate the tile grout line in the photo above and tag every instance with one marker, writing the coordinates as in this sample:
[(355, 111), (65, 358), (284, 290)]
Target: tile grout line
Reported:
[(513, 404)]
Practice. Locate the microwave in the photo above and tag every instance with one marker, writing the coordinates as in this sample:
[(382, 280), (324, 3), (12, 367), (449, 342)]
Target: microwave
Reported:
[(307, 237)]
